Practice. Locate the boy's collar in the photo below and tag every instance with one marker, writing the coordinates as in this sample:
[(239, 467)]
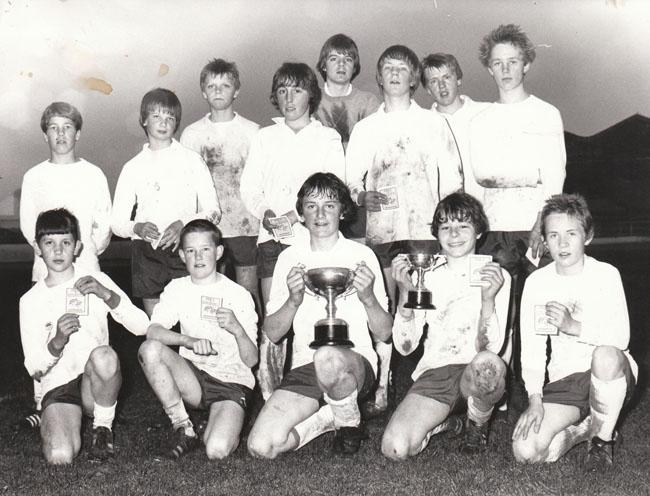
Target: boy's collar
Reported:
[(327, 91)]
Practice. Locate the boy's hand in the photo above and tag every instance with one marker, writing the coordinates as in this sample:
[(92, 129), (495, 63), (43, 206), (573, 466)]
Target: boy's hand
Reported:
[(399, 269), (536, 240), (148, 231), (296, 284), (266, 223), (532, 417), (364, 282), (171, 236), (226, 319), (372, 200), (88, 284), (67, 324), (492, 278), (560, 316), (204, 347)]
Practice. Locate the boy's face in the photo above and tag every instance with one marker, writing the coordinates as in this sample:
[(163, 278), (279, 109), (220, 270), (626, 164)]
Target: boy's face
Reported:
[(58, 251), (160, 124), (566, 240), (339, 68), (293, 102), (396, 76), (322, 214), (457, 238), (443, 85), (219, 91), (61, 135), (507, 66), (200, 255)]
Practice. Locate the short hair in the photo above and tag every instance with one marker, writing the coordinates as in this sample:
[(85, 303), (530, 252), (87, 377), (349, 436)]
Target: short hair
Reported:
[(56, 221), (573, 205), (220, 67), (61, 109), (160, 98), (405, 54), (199, 226), (300, 75), (506, 33), (329, 186), (437, 61), (461, 207), (340, 43)]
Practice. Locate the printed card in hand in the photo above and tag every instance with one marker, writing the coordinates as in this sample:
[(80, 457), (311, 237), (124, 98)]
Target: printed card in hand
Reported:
[(476, 263), (542, 325), (156, 242), (76, 302), (281, 227), (209, 307), (391, 193)]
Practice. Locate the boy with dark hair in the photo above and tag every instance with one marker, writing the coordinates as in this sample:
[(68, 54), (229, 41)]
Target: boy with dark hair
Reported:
[(169, 185), (281, 157), (64, 335), (216, 347), (460, 366), (340, 375), (579, 304), (222, 137)]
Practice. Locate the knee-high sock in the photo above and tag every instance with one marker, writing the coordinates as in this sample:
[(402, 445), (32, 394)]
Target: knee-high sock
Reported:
[(567, 438), (479, 417), (384, 353), (269, 372), (346, 411), (605, 401), (38, 395), (179, 417), (319, 423), (103, 416)]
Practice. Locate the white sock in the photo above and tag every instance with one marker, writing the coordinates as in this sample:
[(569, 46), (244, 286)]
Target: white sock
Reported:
[(38, 395), (567, 438), (319, 423), (179, 417), (346, 411), (384, 353), (479, 417), (605, 401), (438, 429), (103, 416)]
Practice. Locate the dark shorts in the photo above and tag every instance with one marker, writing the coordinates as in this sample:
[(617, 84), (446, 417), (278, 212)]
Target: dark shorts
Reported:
[(442, 384), (213, 390), (152, 270), (354, 225), (573, 390), (508, 249), (66, 393), (241, 251), (267, 256), (387, 251), (302, 380)]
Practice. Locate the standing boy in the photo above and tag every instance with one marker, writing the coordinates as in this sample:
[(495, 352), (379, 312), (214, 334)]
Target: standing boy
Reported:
[(340, 375), (64, 334), (168, 185), (579, 304), (222, 138), (459, 367), (216, 347)]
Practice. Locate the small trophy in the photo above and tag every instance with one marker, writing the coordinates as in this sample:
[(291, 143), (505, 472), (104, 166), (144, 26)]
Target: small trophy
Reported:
[(330, 283), (420, 299)]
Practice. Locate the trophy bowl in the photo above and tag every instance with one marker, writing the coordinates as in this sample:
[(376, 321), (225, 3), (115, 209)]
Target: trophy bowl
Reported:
[(420, 299), (330, 283)]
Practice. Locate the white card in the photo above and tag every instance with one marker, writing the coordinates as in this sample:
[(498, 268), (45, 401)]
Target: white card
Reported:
[(476, 263), (282, 227), (393, 199), (542, 325), (76, 302), (209, 307)]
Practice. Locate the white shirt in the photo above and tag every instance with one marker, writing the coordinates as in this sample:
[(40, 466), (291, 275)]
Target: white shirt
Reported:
[(79, 187), (40, 309), (347, 254), (166, 185), (185, 302), (279, 162)]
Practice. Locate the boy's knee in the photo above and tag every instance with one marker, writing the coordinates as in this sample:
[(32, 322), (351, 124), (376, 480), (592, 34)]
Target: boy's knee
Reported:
[(394, 447), (527, 451), (59, 455), (104, 361), (260, 446), (607, 362), (329, 363), (150, 352), (218, 449)]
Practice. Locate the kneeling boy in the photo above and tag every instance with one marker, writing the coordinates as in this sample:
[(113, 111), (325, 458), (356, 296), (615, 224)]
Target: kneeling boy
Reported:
[(217, 347), (341, 376), (466, 330), (64, 334)]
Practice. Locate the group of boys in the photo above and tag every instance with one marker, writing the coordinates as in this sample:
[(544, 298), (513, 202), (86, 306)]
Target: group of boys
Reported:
[(460, 179)]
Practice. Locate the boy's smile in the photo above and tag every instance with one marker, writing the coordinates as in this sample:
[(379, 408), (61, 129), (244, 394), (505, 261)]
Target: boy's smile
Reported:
[(200, 255), (322, 215), (565, 239), (457, 238)]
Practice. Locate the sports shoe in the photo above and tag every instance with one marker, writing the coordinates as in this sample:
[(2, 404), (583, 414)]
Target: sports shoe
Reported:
[(601, 454), (475, 438), (370, 409), (31, 421), (452, 424), (347, 440), (183, 444), (102, 447)]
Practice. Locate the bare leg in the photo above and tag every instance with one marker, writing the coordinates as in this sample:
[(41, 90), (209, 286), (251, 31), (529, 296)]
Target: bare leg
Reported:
[(272, 356), (61, 433), (247, 277), (149, 304), (221, 436)]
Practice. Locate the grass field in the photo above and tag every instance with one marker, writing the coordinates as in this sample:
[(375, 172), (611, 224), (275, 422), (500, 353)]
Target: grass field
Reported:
[(137, 469)]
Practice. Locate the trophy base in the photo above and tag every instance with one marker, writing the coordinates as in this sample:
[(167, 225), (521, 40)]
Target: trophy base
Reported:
[(331, 333), (419, 300)]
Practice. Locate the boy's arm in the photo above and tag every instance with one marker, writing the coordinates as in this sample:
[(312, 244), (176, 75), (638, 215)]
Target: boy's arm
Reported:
[(241, 322), (285, 298), (494, 310), (533, 346), (370, 290), (208, 202), (165, 316), (408, 326), (335, 159), (553, 152), (251, 186), (101, 233), (358, 160), (123, 201), (28, 212), (450, 170)]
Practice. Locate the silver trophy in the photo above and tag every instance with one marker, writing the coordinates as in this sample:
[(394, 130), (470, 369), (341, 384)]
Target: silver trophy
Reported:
[(330, 283), (420, 299)]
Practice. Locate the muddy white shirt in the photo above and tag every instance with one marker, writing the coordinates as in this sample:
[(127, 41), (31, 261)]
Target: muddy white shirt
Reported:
[(595, 298), (454, 324), (518, 156), (224, 148)]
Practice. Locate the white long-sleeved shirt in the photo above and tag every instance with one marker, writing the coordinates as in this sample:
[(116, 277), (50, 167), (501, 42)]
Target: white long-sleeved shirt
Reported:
[(518, 156), (455, 322), (40, 309), (224, 148), (596, 299), (81, 188), (279, 161), (412, 150), (166, 185)]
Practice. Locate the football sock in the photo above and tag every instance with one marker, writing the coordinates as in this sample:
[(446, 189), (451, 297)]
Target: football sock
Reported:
[(319, 423), (384, 353), (103, 416), (567, 438), (38, 395), (479, 417), (605, 402), (346, 411), (179, 417)]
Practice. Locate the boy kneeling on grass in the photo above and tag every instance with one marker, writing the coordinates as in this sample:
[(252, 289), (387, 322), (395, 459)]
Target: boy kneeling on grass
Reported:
[(64, 334), (212, 369), (459, 367), (579, 304)]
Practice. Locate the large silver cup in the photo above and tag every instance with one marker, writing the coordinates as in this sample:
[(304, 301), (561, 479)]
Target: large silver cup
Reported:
[(420, 299), (330, 283)]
